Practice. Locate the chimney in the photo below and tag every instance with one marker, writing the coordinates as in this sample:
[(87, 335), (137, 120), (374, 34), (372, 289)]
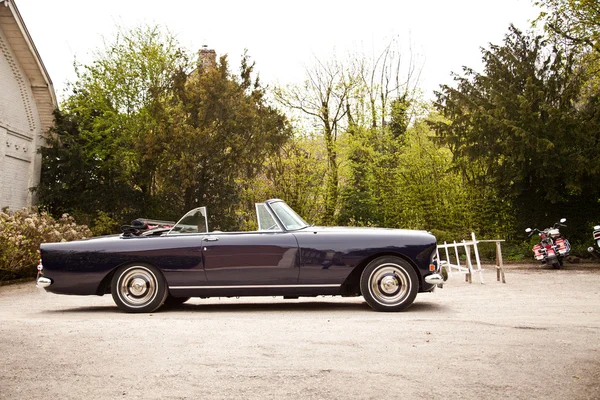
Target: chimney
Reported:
[(208, 57)]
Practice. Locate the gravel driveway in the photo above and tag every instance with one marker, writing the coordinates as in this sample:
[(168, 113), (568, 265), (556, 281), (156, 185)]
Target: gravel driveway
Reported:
[(535, 337)]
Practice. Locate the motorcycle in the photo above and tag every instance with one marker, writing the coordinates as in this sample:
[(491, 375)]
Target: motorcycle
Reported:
[(553, 247), (596, 234)]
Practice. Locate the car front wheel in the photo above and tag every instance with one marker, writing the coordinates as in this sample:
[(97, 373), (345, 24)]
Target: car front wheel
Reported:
[(389, 284), (138, 288)]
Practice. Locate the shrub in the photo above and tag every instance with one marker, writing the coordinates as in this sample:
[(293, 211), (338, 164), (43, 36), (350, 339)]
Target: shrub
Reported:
[(104, 225), (22, 232)]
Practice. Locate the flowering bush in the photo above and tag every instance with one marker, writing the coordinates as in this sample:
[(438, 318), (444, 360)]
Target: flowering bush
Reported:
[(22, 232)]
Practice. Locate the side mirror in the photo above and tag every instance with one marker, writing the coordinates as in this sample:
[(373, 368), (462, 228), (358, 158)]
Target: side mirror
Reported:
[(528, 230), (563, 220)]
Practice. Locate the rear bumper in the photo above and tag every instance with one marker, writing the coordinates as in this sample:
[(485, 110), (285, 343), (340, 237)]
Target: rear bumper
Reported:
[(43, 282)]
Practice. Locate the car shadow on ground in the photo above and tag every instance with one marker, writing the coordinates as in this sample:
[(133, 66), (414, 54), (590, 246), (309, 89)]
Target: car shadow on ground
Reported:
[(315, 306), (90, 309)]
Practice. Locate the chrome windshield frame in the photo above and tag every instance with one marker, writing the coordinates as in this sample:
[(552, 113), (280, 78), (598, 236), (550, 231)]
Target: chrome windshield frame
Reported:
[(294, 214), (280, 226)]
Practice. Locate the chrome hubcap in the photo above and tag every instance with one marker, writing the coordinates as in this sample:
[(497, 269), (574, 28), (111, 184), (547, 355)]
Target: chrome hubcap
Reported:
[(137, 287), (389, 284)]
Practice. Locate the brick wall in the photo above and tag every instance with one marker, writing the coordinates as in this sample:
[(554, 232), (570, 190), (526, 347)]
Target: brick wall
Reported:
[(19, 132)]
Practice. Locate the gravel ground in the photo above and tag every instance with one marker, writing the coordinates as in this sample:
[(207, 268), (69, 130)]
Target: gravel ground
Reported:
[(535, 337)]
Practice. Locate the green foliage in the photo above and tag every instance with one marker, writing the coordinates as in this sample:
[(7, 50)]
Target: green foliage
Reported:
[(22, 232), (359, 202), (574, 26), (576, 21), (104, 224), (151, 131), (296, 174), (323, 98), (219, 129), (102, 153), (399, 115), (81, 172), (403, 181), (521, 136), (147, 133), (430, 196)]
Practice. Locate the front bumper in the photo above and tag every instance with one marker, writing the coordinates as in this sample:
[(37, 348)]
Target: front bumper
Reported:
[(434, 279)]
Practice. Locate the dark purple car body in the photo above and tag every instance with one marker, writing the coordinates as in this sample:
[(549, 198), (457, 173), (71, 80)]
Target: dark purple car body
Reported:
[(289, 258)]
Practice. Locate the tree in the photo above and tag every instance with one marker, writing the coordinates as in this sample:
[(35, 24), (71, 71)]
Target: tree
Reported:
[(359, 193), (324, 97), (100, 155), (379, 114), (576, 21), (574, 25), (220, 129), (296, 174), (147, 132), (353, 103), (519, 132), (388, 88)]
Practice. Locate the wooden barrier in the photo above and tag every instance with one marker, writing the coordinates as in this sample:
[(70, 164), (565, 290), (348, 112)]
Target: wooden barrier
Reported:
[(469, 247), (499, 262)]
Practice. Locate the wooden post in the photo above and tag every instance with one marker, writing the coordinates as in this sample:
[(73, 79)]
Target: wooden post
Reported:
[(499, 263)]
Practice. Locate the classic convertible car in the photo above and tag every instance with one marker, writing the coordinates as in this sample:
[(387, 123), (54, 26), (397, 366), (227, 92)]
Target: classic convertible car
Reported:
[(144, 269)]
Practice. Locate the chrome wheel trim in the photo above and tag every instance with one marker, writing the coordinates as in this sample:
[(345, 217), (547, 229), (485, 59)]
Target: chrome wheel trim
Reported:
[(137, 287), (389, 284)]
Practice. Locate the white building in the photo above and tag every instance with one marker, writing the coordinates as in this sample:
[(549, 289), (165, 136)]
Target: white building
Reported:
[(27, 100)]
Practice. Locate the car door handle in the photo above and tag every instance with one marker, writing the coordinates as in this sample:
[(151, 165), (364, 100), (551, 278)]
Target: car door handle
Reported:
[(210, 239)]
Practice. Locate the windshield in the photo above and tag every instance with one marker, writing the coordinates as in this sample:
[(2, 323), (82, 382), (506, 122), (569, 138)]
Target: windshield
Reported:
[(287, 216), (193, 222), (266, 221)]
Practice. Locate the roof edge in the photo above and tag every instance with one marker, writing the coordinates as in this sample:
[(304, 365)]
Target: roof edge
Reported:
[(17, 15)]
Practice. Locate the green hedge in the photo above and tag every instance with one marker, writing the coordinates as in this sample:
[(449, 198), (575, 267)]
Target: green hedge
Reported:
[(22, 232)]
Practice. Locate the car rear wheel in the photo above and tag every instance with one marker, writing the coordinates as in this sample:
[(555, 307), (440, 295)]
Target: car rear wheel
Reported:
[(389, 284), (138, 288)]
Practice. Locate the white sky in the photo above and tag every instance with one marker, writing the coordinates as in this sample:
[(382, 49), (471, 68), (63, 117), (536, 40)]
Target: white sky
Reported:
[(282, 36)]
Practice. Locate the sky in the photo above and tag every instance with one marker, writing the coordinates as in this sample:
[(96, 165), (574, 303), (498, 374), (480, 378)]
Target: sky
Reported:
[(283, 37)]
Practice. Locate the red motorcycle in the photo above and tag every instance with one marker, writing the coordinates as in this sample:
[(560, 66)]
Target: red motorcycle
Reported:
[(553, 247)]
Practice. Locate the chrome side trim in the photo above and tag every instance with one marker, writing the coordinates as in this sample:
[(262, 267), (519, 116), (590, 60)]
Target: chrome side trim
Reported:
[(253, 287)]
